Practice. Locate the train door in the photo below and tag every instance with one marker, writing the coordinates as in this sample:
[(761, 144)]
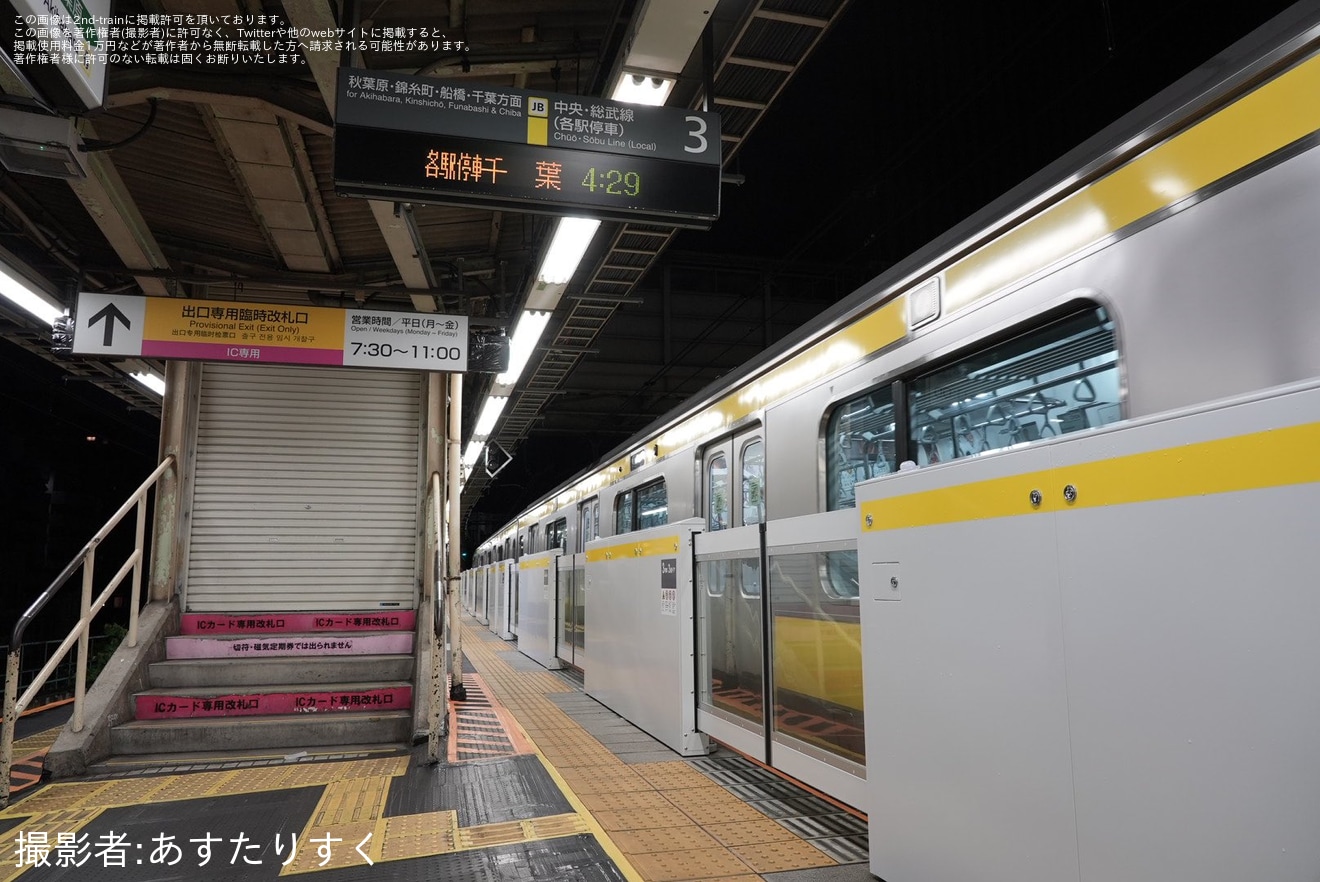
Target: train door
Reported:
[(572, 583), (729, 602)]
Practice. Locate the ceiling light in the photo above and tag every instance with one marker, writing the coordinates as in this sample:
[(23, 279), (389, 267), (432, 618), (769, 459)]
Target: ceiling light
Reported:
[(489, 414), (569, 243), (25, 297), (526, 335), (639, 89), (151, 381), (473, 453)]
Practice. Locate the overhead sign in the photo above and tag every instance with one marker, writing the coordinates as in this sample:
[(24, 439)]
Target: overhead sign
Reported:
[(504, 175), (74, 32), (274, 333), (452, 142)]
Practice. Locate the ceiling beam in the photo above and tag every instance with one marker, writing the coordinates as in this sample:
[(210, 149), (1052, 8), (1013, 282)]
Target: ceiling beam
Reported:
[(397, 232), (112, 208)]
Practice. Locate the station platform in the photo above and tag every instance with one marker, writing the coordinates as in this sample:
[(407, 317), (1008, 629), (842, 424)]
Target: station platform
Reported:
[(540, 782)]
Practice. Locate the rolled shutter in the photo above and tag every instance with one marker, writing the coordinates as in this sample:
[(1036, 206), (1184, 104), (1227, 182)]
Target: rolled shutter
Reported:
[(305, 490)]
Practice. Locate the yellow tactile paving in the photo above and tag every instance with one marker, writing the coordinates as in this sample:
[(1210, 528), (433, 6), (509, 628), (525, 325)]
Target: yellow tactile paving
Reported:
[(663, 843), (673, 776), (49, 826), (775, 857), (664, 839), (750, 832), (641, 819), (639, 799), (409, 836), (335, 847), (351, 801), (695, 863)]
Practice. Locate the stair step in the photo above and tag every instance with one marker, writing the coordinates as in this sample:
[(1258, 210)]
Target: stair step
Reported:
[(290, 731), (225, 625), (223, 701), (289, 645), (239, 673)]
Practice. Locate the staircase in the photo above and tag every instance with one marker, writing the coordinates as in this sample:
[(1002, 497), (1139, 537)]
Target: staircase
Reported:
[(276, 680)]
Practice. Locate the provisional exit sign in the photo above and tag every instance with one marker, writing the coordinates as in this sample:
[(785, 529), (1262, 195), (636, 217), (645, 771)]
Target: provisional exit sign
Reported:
[(274, 333), (453, 142)]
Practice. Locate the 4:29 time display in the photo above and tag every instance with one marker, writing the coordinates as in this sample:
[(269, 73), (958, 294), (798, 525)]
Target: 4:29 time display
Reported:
[(613, 181)]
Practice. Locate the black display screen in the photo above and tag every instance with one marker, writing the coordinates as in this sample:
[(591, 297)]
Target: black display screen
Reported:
[(503, 174)]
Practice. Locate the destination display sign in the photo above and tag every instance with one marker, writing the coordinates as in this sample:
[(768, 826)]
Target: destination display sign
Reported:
[(457, 143), (378, 100), (453, 170), (274, 333)]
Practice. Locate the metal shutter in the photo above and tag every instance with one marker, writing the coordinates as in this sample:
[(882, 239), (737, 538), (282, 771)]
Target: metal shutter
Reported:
[(305, 492)]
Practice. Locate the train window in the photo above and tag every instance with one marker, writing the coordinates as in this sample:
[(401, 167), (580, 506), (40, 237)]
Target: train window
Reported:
[(753, 482), (588, 522), (652, 505), (838, 574), (646, 506), (1050, 381), (623, 513), (859, 444), (556, 533), (717, 479)]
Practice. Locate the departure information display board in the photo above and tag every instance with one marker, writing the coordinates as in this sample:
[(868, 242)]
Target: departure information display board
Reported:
[(450, 142)]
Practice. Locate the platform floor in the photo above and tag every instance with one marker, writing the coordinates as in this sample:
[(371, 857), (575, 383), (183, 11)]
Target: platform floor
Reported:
[(541, 782)]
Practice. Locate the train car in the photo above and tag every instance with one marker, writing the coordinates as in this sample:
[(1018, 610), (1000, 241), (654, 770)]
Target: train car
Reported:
[(1166, 267)]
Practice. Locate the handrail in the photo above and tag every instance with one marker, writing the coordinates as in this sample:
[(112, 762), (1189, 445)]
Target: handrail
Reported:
[(14, 704)]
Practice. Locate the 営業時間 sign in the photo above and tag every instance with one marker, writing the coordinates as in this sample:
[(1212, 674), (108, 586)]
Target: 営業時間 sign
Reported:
[(275, 333), (455, 142)]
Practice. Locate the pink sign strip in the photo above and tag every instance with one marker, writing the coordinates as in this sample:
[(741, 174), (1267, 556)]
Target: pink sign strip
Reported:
[(298, 622), (174, 707), (257, 352), (293, 645)]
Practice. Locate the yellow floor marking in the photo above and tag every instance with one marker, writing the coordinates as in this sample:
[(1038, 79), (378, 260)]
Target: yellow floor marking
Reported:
[(49, 826), (172, 788)]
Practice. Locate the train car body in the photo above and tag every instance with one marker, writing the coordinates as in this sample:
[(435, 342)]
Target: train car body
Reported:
[(863, 600)]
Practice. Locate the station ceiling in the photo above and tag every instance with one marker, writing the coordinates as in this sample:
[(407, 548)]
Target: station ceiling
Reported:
[(853, 132)]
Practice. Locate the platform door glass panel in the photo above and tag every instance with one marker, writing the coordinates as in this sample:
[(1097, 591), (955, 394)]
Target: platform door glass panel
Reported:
[(729, 629), (729, 602), (817, 650), (568, 572)]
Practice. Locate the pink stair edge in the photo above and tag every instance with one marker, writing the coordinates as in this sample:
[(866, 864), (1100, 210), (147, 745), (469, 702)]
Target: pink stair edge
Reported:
[(220, 624), (293, 645), (173, 707)]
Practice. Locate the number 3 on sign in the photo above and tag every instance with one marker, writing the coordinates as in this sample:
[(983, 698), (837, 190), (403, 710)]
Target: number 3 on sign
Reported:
[(697, 133)]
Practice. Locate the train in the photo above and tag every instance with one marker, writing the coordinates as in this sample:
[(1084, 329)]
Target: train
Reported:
[(1157, 282)]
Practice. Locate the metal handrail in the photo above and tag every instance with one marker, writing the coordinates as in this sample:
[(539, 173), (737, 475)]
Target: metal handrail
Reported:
[(86, 558)]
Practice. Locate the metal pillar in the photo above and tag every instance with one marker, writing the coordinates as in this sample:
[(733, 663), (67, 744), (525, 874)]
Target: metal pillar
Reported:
[(456, 690), (432, 626)]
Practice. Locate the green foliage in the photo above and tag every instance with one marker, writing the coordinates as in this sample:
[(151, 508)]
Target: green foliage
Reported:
[(111, 636)]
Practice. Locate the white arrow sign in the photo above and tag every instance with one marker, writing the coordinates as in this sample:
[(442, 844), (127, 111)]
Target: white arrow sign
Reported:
[(109, 324)]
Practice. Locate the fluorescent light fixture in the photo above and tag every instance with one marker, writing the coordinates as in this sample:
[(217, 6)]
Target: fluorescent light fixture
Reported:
[(489, 414), (18, 292), (570, 242), (151, 381), (473, 453), (525, 337), (641, 89)]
